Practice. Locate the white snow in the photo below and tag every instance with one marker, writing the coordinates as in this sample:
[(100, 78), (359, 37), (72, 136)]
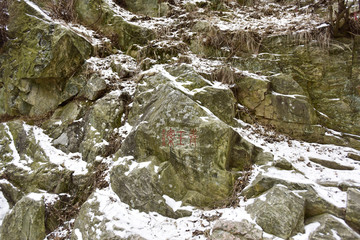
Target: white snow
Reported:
[(36, 8), (4, 207), (308, 230)]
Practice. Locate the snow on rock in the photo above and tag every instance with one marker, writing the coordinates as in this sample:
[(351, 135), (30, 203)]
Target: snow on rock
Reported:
[(4, 207)]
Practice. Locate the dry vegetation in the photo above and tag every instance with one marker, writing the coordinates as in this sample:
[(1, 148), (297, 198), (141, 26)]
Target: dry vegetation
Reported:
[(63, 9), (4, 17)]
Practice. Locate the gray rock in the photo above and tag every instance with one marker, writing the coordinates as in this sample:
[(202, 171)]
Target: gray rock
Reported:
[(282, 163), (314, 204), (263, 158), (10, 192), (279, 212), (152, 8), (34, 80), (90, 216), (94, 88), (224, 230), (331, 228), (203, 167), (353, 207), (25, 221), (331, 164)]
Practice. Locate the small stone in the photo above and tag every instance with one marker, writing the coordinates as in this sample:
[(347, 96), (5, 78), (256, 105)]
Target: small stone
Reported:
[(354, 156), (282, 163)]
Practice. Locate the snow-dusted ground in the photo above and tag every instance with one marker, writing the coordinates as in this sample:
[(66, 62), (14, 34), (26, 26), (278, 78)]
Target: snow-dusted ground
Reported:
[(266, 19)]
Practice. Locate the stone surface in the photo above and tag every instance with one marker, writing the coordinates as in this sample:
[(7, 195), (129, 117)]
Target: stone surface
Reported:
[(122, 33), (353, 207), (198, 171), (282, 163), (10, 192), (36, 170), (314, 204), (141, 189), (224, 230), (153, 8), (33, 81), (331, 164), (25, 221), (279, 212), (330, 227), (90, 224)]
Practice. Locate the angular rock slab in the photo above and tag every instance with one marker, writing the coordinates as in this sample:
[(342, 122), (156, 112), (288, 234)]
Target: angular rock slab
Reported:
[(194, 150), (353, 207), (25, 221), (37, 61), (91, 223), (279, 212), (226, 230), (330, 227)]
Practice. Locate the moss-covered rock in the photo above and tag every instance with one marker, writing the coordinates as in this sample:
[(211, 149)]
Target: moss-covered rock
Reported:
[(330, 227), (226, 230), (98, 14), (39, 58), (195, 149), (279, 212), (29, 167), (91, 223), (314, 203), (153, 8), (353, 207), (25, 221)]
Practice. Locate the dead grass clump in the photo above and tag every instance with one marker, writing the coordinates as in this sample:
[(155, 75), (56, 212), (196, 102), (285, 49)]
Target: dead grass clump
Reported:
[(225, 75), (63, 9), (238, 42), (240, 183), (4, 18), (321, 36)]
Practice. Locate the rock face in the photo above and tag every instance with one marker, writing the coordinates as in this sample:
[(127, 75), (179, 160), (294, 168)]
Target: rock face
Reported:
[(99, 14), (330, 227), (191, 144), (26, 163), (226, 230), (25, 221), (33, 80), (353, 207), (153, 8), (279, 212)]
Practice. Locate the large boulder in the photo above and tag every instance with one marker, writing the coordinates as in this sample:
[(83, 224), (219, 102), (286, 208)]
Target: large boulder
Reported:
[(330, 227), (25, 221), (90, 128), (31, 163), (194, 149), (279, 212), (33, 76), (314, 203), (91, 222)]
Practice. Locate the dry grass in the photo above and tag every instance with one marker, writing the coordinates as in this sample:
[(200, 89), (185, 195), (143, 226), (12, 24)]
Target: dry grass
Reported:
[(233, 200), (238, 42), (68, 208), (63, 9), (4, 18)]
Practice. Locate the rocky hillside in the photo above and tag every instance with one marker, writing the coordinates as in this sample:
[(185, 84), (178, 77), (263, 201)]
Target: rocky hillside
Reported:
[(179, 119)]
